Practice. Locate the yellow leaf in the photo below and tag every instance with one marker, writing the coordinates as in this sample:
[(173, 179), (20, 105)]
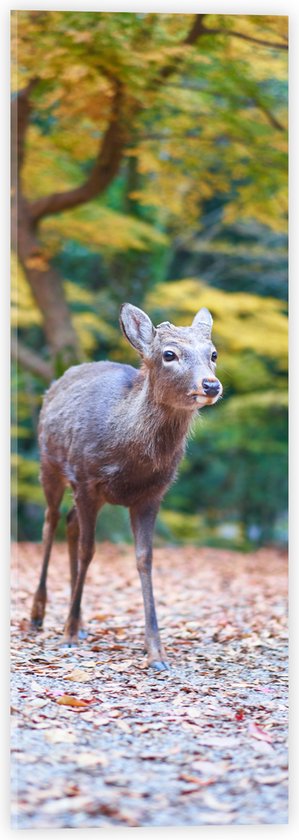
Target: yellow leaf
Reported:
[(74, 73), (78, 676), (69, 700)]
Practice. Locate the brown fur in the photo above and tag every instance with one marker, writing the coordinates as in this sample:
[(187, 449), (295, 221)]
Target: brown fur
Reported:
[(116, 434)]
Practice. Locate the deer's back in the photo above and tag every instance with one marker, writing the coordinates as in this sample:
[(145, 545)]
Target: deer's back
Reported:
[(78, 406), (88, 431)]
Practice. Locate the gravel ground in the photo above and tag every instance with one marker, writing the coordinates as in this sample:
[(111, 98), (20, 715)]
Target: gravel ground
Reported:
[(98, 739)]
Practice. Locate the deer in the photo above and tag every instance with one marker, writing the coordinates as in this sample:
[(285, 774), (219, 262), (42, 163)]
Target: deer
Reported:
[(116, 434)]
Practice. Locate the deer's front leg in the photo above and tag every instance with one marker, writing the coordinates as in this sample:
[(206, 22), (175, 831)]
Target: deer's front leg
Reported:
[(143, 521)]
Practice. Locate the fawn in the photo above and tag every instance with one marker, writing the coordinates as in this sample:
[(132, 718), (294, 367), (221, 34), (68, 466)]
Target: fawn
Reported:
[(116, 434)]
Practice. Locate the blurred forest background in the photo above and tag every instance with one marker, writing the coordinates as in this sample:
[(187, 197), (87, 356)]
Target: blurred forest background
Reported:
[(150, 165)]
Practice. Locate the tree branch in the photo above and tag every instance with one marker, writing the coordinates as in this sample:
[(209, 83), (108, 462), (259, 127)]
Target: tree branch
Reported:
[(31, 361), (110, 152), (196, 30), (272, 119), (112, 146), (277, 45), (105, 168)]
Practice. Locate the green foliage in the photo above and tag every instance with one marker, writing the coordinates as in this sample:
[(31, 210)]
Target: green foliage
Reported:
[(235, 469), (196, 215)]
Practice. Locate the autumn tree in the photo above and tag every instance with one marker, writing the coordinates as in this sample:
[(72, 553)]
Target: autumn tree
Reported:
[(178, 97), (150, 164)]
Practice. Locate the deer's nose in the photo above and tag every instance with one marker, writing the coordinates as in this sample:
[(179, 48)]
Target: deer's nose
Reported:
[(210, 387)]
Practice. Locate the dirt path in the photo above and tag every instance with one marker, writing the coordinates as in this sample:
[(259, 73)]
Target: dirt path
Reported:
[(100, 740)]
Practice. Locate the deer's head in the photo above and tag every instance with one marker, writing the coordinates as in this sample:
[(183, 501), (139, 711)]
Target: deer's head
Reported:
[(181, 361)]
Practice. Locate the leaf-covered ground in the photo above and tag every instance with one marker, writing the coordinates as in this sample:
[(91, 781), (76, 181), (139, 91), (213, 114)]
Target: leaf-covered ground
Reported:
[(100, 740)]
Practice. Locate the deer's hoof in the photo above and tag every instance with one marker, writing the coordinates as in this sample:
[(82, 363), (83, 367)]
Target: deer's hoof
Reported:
[(159, 665), (36, 624), (70, 637), (69, 642)]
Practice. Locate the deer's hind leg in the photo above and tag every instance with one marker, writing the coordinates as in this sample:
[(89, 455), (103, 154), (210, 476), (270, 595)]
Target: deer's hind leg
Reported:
[(72, 530), (54, 487), (87, 508)]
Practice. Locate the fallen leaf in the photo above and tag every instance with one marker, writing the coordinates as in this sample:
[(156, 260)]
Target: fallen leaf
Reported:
[(211, 801), (71, 789), (262, 747), (89, 759), (63, 736), (65, 804), (121, 815), (271, 780), (101, 720), (80, 676), (257, 732), (188, 777), (122, 724), (69, 700), (218, 741), (215, 818), (115, 759), (121, 666), (36, 703), (214, 768), (26, 758)]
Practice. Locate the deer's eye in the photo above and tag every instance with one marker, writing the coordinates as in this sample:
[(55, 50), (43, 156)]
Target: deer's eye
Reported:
[(214, 356), (169, 356)]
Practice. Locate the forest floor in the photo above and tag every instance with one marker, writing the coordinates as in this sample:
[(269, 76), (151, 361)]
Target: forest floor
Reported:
[(98, 739)]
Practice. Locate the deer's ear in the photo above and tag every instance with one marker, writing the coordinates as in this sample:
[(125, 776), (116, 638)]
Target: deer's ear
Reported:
[(203, 321), (137, 328)]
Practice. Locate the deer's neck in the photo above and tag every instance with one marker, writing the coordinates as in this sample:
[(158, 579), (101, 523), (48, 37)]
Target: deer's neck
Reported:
[(157, 430)]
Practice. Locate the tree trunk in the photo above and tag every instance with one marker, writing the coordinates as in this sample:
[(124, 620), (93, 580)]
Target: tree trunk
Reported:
[(45, 283), (47, 288)]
